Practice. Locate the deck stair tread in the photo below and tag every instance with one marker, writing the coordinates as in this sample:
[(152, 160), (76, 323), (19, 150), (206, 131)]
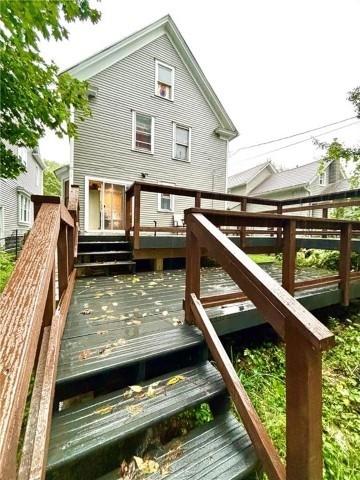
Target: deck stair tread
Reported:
[(77, 432), (83, 357), (107, 252), (105, 264), (217, 450), (101, 242)]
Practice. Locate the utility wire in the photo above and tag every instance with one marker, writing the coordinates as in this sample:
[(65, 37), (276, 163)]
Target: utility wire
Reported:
[(289, 136), (297, 143)]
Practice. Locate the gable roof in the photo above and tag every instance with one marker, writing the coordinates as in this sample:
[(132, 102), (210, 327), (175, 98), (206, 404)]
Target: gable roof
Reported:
[(165, 25), (244, 177), (288, 178)]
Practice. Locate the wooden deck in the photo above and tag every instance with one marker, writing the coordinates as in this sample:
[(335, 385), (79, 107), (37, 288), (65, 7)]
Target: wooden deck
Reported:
[(115, 321)]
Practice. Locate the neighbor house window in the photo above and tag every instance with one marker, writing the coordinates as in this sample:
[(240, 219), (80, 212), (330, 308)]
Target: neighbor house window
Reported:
[(37, 175), (181, 142), (322, 178), (165, 202), (23, 208), (22, 152), (164, 80), (143, 132)]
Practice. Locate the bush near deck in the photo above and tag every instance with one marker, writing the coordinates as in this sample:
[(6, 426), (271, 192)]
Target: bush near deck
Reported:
[(262, 372), (7, 263)]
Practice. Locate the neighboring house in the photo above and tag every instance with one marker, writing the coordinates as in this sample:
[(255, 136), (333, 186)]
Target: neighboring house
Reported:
[(16, 208), (266, 182), (155, 118)]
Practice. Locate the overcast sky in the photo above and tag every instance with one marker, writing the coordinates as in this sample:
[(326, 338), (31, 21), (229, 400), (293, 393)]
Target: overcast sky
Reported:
[(279, 67)]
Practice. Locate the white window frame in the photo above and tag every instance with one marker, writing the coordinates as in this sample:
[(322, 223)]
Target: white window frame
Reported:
[(133, 143), (323, 178), (23, 154), (175, 125), (25, 198), (37, 175), (172, 200), (157, 63)]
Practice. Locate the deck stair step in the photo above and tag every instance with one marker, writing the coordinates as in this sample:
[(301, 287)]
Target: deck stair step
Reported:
[(106, 252), (110, 420), (111, 263), (217, 450)]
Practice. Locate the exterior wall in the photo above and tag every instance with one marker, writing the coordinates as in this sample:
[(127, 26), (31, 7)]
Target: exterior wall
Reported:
[(263, 175), (103, 149), (282, 195), (9, 196)]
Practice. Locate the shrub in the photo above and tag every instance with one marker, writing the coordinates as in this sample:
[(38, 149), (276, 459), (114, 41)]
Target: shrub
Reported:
[(7, 263)]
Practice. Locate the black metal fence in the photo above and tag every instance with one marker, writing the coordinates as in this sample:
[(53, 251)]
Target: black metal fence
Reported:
[(13, 243)]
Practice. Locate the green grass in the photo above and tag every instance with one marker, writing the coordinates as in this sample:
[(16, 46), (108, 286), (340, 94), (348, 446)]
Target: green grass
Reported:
[(262, 373), (262, 258), (7, 263)]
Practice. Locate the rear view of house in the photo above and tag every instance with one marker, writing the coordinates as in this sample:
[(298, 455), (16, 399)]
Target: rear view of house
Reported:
[(155, 118)]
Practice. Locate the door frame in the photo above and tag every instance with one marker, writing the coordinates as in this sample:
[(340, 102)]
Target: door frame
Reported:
[(123, 183)]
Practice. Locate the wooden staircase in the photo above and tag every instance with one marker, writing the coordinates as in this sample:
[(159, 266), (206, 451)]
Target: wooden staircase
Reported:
[(98, 254)]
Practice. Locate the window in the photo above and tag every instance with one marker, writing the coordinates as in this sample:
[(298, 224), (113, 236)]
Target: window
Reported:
[(322, 178), (23, 208), (181, 143), (22, 152), (165, 201), (143, 132), (37, 175), (164, 80)]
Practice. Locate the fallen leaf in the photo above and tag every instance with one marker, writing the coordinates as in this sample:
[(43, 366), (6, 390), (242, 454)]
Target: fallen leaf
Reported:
[(175, 379), (104, 410), (134, 409), (115, 304), (102, 332), (146, 466), (165, 312), (104, 307), (151, 392), (85, 354), (86, 311), (136, 388)]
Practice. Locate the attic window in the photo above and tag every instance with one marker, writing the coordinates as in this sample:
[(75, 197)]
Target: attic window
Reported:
[(322, 178), (164, 80)]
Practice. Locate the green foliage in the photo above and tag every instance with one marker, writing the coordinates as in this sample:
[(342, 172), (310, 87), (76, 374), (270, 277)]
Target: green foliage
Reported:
[(327, 259), (7, 263), (262, 258), (262, 372), (52, 185), (33, 95)]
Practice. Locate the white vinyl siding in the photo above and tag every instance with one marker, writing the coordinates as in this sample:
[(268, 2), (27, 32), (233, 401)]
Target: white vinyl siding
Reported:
[(181, 143), (23, 208), (143, 127), (164, 80)]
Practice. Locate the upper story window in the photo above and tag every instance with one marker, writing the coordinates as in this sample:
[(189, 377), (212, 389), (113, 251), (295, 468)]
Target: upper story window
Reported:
[(322, 178), (37, 175), (164, 80), (181, 143), (22, 152), (143, 132), (23, 208)]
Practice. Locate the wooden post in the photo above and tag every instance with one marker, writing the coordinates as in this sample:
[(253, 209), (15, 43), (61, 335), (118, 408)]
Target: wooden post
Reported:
[(158, 264), (70, 248), (38, 200), (193, 263), (62, 251), (303, 408), (243, 206), (325, 214), (137, 206), (345, 262), (198, 200), (128, 216), (278, 241), (50, 305), (289, 256)]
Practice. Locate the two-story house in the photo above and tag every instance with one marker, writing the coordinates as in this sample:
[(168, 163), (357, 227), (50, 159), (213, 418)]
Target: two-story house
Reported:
[(155, 118), (16, 209)]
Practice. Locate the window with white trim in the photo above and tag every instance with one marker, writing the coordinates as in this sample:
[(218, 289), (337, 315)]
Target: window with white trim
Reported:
[(23, 208), (166, 201), (322, 178), (164, 80), (37, 175), (22, 152), (143, 132), (181, 143)]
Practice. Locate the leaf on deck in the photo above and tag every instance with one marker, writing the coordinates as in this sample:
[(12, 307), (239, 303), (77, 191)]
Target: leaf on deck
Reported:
[(165, 312), (135, 409), (104, 410), (136, 388), (175, 379), (86, 311), (104, 307), (85, 354), (115, 304), (102, 332), (146, 466)]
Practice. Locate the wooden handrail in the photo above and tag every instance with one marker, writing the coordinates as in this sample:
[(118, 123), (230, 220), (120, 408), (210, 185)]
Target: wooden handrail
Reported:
[(305, 338), (27, 308)]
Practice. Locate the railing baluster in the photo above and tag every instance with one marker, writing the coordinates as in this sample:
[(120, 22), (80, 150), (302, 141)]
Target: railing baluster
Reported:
[(345, 262), (243, 229), (279, 210), (303, 408), (289, 256), (137, 206), (50, 305), (62, 250), (128, 215), (193, 263), (198, 200)]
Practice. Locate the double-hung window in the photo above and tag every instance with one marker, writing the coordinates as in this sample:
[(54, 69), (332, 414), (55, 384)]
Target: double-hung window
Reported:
[(165, 201), (22, 152), (23, 208), (164, 80), (143, 132), (181, 143), (322, 178)]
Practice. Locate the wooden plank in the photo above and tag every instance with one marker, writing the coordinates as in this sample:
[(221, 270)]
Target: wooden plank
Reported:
[(345, 262), (317, 282), (128, 215), (303, 408), (224, 299), (193, 263), (272, 301), (66, 216), (62, 255), (70, 248), (28, 445), (73, 203), (41, 438), (22, 307), (261, 441), (354, 193), (137, 207), (289, 257), (243, 206), (198, 200), (318, 206), (50, 299)]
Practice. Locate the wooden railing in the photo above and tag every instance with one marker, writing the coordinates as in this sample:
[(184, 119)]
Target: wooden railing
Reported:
[(32, 323), (304, 336)]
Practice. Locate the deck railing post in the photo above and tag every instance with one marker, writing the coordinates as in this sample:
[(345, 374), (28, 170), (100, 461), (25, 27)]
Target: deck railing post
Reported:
[(289, 256), (279, 210), (198, 200), (193, 263), (62, 251), (345, 262), (50, 305), (303, 408), (137, 206), (243, 206), (128, 215)]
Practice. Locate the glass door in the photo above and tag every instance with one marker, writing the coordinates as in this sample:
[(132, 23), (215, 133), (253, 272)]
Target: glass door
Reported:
[(106, 206)]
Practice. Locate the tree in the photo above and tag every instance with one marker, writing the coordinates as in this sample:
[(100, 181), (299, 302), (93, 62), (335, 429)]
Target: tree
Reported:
[(51, 183), (33, 94)]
